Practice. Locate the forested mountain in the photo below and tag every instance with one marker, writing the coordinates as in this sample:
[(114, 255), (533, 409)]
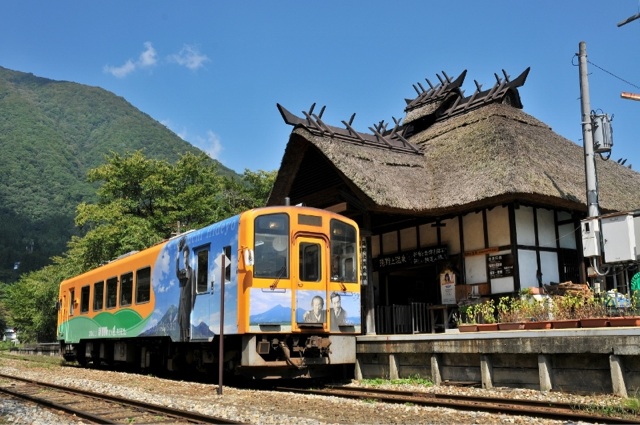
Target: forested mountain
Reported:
[(51, 134)]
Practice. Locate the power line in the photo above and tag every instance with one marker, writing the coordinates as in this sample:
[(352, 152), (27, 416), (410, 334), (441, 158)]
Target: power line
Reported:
[(614, 75)]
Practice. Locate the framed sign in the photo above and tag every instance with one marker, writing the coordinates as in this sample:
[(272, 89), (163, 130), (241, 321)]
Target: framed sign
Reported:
[(429, 255), (448, 286), (500, 265)]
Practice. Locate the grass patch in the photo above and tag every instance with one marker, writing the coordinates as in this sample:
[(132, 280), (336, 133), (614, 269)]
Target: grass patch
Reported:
[(632, 404), (412, 380)]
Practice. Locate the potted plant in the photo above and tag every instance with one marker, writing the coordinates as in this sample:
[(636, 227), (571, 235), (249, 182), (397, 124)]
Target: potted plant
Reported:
[(466, 318), (564, 311), (630, 314), (510, 313), (535, 311), (486, 313), (593, 313)]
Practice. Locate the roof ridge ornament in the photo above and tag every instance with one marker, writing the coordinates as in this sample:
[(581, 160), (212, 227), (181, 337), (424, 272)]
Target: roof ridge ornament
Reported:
[(381, 137)]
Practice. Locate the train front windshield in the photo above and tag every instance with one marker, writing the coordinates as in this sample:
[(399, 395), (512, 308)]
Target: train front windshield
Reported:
[(343, 252), (272, 246)]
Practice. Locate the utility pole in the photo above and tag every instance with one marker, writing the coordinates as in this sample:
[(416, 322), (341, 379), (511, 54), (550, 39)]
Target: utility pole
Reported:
[(587, 136)]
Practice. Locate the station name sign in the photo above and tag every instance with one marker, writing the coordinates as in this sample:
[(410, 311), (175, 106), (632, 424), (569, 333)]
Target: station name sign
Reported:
[(428, 255), (500, 265)]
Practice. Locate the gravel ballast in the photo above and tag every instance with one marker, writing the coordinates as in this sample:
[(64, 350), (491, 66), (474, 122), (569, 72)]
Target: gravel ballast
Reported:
[(260, 406)]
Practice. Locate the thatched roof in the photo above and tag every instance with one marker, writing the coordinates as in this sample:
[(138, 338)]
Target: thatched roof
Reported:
[(490, 155)]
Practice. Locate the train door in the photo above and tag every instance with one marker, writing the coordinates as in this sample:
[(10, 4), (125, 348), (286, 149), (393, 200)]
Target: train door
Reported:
[(67, 313), (203, 296), (310, 276)]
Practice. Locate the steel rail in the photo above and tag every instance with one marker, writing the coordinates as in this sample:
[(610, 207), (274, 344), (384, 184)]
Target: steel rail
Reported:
[(531, 408), (146, 407)]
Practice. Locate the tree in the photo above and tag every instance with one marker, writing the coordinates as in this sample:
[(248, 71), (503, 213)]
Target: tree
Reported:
[(252, 191), (31, 304), (140, 203)]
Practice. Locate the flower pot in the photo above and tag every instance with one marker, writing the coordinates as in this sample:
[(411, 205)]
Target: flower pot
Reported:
[(510, 326), (543, 324), (467, 327), (594, 322), (624, 321), (487, 327), (565, 324)]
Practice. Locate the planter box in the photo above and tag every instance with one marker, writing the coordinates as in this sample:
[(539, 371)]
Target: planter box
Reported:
[(565, 324), (487, 326), (544, 324), (624, 321), (467, 327), (594, 322), (510, 326)]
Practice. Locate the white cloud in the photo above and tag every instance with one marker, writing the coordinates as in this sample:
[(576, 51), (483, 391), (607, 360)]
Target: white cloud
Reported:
[(211, 144), (147, 58), (190, 57), (120, 71)]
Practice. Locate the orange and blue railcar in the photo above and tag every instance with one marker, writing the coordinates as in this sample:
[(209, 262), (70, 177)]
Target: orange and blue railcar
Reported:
[(280, 284)]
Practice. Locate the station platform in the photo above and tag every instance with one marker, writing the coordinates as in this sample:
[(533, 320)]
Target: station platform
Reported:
[(588, 360)]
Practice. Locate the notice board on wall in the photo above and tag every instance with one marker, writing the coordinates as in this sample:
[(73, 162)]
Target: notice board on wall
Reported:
[(500, 265)]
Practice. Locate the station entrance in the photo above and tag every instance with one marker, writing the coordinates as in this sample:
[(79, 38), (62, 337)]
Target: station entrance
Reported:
[(410, 301)]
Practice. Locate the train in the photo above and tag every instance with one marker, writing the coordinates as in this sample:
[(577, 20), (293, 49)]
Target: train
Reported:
[(273, 292)]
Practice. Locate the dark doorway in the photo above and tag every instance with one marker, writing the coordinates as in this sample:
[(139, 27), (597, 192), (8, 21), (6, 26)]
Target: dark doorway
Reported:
[(418, 285)]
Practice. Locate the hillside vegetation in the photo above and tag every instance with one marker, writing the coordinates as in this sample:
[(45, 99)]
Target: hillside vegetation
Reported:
[(51, 134)]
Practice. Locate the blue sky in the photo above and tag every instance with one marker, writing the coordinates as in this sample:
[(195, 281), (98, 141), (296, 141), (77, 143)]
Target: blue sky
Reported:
[(213, 71)]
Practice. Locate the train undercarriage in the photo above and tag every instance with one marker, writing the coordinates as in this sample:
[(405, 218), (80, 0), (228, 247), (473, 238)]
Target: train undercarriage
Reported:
[(250, 356)]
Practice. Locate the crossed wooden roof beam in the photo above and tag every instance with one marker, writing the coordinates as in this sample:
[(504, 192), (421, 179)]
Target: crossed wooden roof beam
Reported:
[(381, 137)]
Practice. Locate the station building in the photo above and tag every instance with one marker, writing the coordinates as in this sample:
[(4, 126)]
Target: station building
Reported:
[(465, 197)]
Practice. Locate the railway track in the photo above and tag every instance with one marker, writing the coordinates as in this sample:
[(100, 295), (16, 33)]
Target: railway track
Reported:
[(531, 408), (98, 408)]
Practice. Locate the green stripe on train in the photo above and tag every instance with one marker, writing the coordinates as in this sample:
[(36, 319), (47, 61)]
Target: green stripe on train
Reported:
[(122, 324)]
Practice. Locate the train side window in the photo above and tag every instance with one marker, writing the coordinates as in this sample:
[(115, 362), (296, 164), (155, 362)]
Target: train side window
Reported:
[(126, 288), (85, 293), (143, 285), (72, 299), (112, 292), (98, 295), (202, 278)]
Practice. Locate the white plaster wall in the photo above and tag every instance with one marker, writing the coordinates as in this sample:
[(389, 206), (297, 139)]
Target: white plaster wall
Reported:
[(473, 231), (549, 266), (502, 285), (428, 235), (524, 226), (498, 225), (528, 268), (408, 239), (546, 228), (475, 268), (450, 235)]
